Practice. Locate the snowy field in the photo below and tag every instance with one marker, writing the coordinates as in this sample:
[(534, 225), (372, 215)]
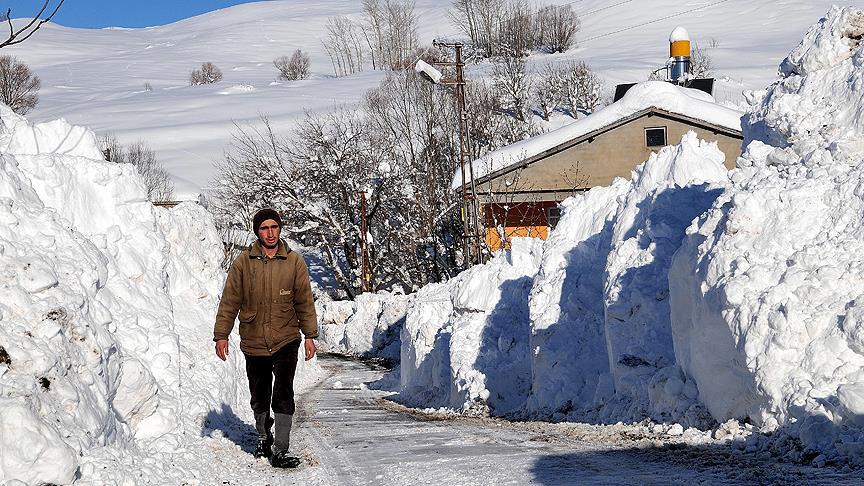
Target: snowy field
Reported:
[(718, 308), (96, 78)]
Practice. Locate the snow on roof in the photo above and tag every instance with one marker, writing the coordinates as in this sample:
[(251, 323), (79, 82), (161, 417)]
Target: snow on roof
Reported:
[(650, 94)]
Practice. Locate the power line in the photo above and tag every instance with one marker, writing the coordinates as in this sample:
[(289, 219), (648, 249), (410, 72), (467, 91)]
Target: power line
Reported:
[(701, 7), (590, 12)]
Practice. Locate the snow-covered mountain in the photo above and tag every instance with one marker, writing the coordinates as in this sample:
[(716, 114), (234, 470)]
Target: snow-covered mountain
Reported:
[(97, 78)]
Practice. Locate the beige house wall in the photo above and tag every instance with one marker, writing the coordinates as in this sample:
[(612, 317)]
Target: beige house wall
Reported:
[(600, 159)]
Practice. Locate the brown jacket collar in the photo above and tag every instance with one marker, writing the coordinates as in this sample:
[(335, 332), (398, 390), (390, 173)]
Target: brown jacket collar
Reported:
[(257, 252)]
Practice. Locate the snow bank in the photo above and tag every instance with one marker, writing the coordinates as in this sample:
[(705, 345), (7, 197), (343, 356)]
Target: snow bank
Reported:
[(106, 312), (464, 344), (570, 367), (766, 291), (674, 186), (368, 327), (578, 326)]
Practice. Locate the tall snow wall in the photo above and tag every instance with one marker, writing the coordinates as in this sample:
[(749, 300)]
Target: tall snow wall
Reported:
[(601, 333), (575, 325), (464, 344), (766, 291), (106, 311)]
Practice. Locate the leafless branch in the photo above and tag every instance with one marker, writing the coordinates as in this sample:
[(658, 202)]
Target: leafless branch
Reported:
[(31, 27)]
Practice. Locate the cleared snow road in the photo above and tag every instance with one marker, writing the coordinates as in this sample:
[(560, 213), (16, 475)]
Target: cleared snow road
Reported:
[(352, 436)]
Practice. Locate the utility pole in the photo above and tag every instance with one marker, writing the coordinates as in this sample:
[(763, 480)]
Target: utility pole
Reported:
[(365, 267), (470, 219)]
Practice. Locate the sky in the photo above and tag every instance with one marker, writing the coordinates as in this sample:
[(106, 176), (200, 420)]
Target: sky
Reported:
[(96, 14)]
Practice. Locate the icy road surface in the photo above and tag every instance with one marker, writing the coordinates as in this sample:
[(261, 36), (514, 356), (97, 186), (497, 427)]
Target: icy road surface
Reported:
[(348, 434)]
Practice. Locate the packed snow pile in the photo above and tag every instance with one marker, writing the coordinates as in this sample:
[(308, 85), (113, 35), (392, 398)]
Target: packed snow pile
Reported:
[(106, 312), (569, 362), (689, 294), (368, 327), (671, 189), (464, 344), (768, 310), (600, 326)]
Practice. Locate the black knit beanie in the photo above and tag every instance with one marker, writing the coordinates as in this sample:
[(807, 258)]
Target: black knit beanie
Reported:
[(263, 215)]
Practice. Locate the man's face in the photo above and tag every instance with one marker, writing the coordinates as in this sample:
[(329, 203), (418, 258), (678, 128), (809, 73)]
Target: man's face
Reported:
[(268, 233)]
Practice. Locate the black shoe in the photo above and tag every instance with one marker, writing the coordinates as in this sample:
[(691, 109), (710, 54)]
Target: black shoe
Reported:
[(283, 459), (263, 447)]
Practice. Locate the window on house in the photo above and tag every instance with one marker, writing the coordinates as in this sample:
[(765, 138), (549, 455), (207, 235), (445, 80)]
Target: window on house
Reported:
[(655, 137), (553, 215)]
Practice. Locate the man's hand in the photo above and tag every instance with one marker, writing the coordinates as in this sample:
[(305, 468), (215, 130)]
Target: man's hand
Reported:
[(222, 349), (309, 345)]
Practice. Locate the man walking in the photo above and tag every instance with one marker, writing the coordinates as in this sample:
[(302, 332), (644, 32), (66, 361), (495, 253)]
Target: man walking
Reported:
[(268, 285)]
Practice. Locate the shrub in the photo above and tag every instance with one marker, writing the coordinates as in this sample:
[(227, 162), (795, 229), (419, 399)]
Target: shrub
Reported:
[(18, 85), (208, 74), (156, 178), (294, 67)]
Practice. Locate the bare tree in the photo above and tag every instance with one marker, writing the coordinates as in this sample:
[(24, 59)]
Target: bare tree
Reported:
[(391, 32), (513, 85), (17, 36), (556, 27), (480, 20), (547, 89), (18, 86), (343, 46), (207, 74), (157, 181), (701, 63), (516, 30), (294, 67)]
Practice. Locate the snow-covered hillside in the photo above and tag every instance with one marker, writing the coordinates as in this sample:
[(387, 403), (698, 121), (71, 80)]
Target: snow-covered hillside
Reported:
[(96, 78), (106, 311)]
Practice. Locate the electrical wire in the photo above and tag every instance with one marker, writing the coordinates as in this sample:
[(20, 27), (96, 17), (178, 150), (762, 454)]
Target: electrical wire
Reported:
[(701, 7)]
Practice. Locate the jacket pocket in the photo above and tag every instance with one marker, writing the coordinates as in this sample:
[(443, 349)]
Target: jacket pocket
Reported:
[(247, 315), (251, 334)]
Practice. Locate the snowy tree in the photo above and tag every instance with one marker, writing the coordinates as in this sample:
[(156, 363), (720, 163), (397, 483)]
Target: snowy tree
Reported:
[(19, 87), (572, 86), (40, 17), (547, 90), (490, 124), (400, 151), (701, 62), (416, 122), (513, 85)]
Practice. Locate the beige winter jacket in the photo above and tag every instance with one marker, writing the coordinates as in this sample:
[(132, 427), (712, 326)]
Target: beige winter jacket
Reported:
[(273, 297)]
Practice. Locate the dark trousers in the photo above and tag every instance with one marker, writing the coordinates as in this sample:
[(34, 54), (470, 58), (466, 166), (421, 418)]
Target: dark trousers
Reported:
[(260, 370)]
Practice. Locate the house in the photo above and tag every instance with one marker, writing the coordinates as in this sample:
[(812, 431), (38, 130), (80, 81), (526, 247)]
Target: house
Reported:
[(519, 186)]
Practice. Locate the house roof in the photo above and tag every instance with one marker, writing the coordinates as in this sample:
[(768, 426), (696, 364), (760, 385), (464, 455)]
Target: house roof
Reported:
[(651, 96)]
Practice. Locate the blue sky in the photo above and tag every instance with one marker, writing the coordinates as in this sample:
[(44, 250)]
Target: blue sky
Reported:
[(119, 13)]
